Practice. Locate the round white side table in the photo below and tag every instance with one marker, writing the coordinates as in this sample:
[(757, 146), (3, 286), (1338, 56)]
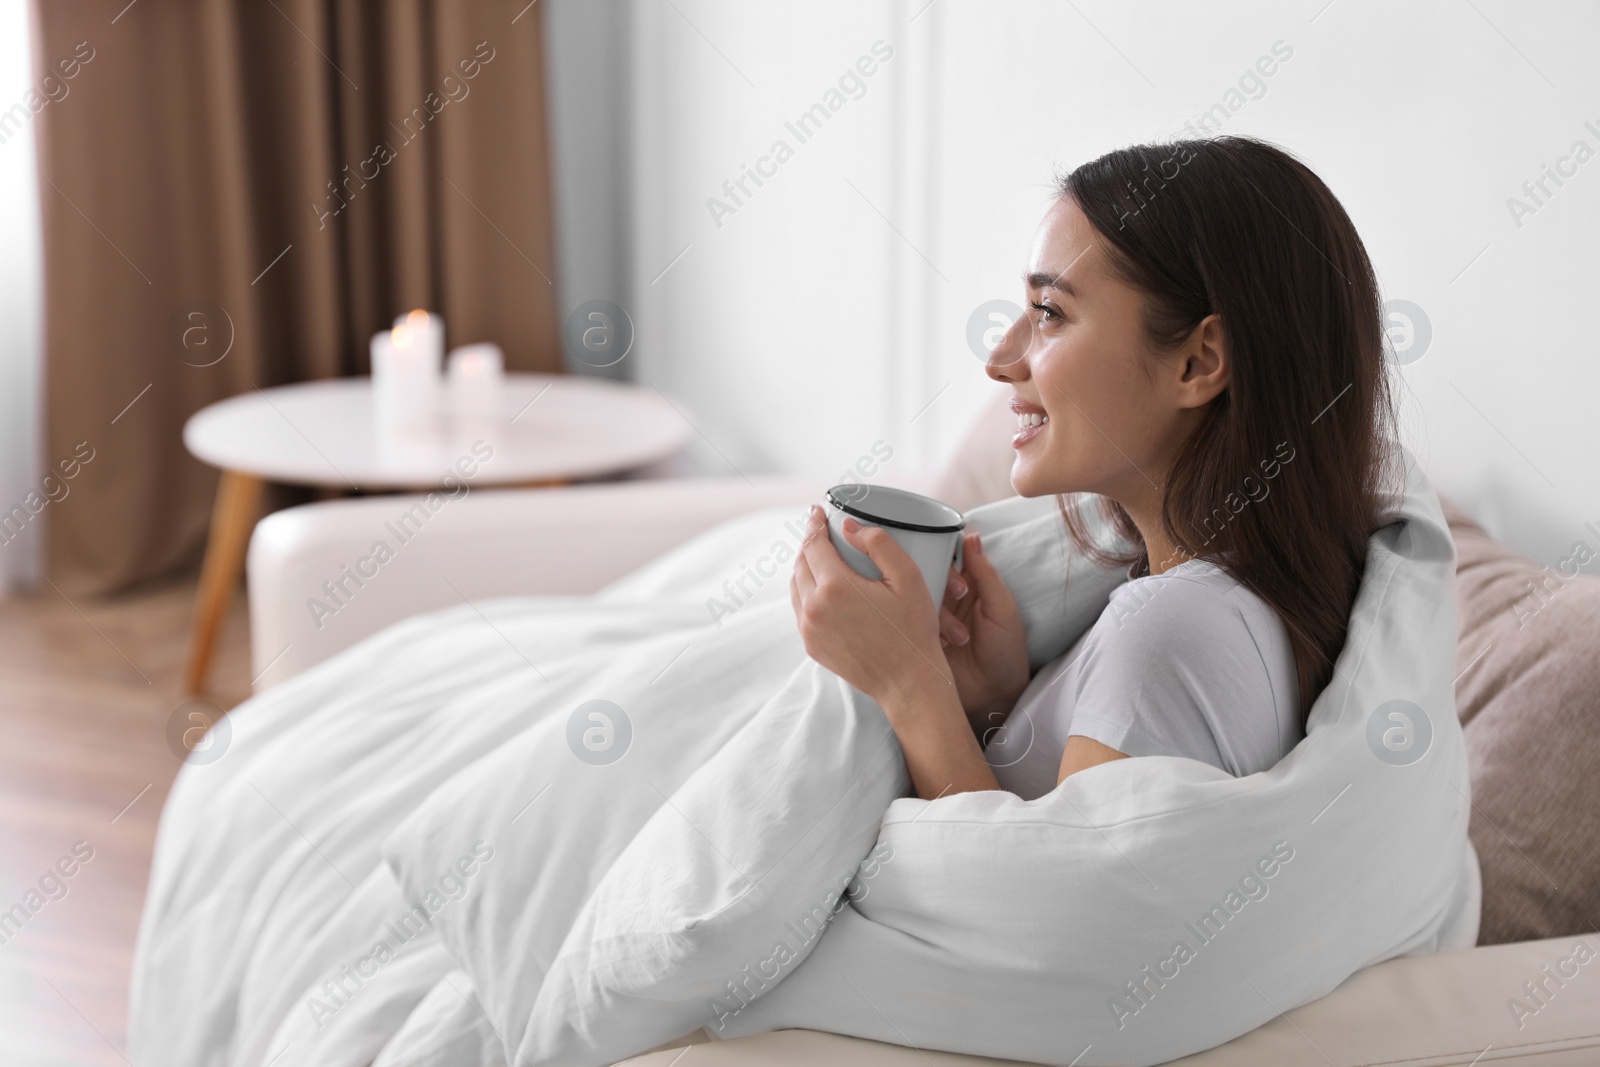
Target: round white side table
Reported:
[(549, 430)]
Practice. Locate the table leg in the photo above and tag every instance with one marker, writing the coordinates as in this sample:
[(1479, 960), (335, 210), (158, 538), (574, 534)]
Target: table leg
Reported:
[(232, 518)]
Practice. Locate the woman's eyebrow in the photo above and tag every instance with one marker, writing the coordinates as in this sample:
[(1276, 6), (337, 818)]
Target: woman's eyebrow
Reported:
[(1045, 280)]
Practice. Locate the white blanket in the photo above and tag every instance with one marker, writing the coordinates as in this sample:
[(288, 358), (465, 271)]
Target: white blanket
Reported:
[(417, 853)]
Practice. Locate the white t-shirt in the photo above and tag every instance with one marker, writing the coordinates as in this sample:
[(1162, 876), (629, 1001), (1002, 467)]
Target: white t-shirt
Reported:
[(1183, 663)]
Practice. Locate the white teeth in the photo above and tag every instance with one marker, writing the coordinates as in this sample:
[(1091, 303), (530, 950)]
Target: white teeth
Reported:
[(1028, 419)]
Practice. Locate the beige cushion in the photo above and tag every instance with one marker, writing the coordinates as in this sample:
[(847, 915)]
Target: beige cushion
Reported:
[(979, 471), (1420, 1011), (1529, 696)]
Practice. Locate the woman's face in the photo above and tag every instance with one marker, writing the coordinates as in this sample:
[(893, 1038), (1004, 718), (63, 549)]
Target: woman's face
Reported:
[(1099, 409)]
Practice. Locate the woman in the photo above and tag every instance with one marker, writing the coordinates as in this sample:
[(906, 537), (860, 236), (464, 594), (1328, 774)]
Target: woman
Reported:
[(1203, 351)]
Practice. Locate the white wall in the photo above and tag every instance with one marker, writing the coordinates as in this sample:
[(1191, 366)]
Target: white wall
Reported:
[(774, 331), (587, 75), (806, 326)]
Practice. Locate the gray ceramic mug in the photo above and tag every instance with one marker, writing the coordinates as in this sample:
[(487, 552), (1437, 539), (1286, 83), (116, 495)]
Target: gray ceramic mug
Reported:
[(929, 531)]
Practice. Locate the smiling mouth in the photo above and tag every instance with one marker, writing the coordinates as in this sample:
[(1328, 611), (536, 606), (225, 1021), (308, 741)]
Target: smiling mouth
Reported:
[(1030, 424)]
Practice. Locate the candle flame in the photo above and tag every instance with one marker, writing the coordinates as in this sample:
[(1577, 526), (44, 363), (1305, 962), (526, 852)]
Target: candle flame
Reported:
[(401, 336), (417, 319)]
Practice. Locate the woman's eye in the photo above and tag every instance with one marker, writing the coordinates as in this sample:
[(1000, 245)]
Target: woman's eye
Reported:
[(1049, 312)]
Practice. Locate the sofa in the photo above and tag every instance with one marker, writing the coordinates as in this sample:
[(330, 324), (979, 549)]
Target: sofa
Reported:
[(1528, 695)]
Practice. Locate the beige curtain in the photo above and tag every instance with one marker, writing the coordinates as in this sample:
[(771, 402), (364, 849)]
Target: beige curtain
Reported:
[(295, 172)]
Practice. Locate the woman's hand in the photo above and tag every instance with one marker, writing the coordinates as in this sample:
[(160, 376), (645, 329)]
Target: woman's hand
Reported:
[(984, 640), (880, 636), (883, 638)]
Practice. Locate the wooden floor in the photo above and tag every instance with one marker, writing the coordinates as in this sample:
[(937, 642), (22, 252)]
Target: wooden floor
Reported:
[(87, 690)]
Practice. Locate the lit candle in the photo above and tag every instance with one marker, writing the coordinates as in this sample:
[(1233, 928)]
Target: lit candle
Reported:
[(474, 378), (428, 332), (405, 381)]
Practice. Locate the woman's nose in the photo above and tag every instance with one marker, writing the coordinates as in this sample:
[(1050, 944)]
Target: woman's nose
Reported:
[(1008, 360)]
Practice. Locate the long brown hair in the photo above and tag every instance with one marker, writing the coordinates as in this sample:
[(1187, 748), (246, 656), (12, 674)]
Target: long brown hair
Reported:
[(1242, 229)]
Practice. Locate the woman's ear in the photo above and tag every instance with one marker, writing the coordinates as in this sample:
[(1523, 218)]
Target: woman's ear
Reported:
[(1204, 367)]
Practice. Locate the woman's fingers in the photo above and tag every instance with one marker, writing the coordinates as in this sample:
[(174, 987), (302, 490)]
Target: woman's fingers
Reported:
[(952, 629), (892, 561), (822, 559), (981, 572), (956, 587), (804, 580), (816, 522), (957, 602)]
